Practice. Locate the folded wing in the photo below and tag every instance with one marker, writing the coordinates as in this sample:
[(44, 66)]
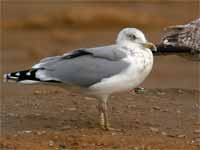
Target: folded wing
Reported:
[(83, 67)]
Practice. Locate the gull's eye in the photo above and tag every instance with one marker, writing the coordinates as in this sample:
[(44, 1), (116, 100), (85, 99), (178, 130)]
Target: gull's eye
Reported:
[(132, 36)]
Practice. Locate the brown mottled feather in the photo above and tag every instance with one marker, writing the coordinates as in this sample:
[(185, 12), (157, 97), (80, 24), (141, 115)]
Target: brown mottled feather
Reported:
[(182, 38)]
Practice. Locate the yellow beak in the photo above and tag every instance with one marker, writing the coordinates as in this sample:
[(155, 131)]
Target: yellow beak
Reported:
[(150, 45)]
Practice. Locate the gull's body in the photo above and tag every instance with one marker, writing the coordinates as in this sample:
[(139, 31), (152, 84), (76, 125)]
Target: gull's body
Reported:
[(139, 66), (99, 71)]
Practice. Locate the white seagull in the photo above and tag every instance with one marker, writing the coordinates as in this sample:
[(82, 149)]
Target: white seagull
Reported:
[(97, 72)]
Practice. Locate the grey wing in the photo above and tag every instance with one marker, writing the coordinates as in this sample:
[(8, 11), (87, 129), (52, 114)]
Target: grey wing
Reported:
[(113, 52), (51, 61), (83, 67)]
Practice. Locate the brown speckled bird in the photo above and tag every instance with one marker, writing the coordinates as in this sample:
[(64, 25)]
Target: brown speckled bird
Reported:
[(183, 40)]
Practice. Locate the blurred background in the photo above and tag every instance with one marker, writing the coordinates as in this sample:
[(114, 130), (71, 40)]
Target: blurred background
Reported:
[(31, 30)]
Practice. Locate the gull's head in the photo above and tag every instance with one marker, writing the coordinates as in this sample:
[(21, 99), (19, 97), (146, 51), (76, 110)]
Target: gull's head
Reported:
[(131, 35), (135, 36)]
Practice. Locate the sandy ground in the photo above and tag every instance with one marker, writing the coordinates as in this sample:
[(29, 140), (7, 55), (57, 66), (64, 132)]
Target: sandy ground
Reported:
[(50, 118), (163, 117)]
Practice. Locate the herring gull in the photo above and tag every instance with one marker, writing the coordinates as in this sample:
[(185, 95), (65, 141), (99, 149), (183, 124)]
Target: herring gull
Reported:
[(97, 72)]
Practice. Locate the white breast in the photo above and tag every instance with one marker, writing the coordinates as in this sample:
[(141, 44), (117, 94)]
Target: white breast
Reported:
[(141, 63)]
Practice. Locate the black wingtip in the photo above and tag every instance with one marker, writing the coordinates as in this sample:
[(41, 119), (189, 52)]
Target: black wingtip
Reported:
[(26, 77), (17, 76), (10, 77)]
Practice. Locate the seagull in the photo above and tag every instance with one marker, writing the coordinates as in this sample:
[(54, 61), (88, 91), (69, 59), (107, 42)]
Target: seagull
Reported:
[(183, 40), (97, 72)]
